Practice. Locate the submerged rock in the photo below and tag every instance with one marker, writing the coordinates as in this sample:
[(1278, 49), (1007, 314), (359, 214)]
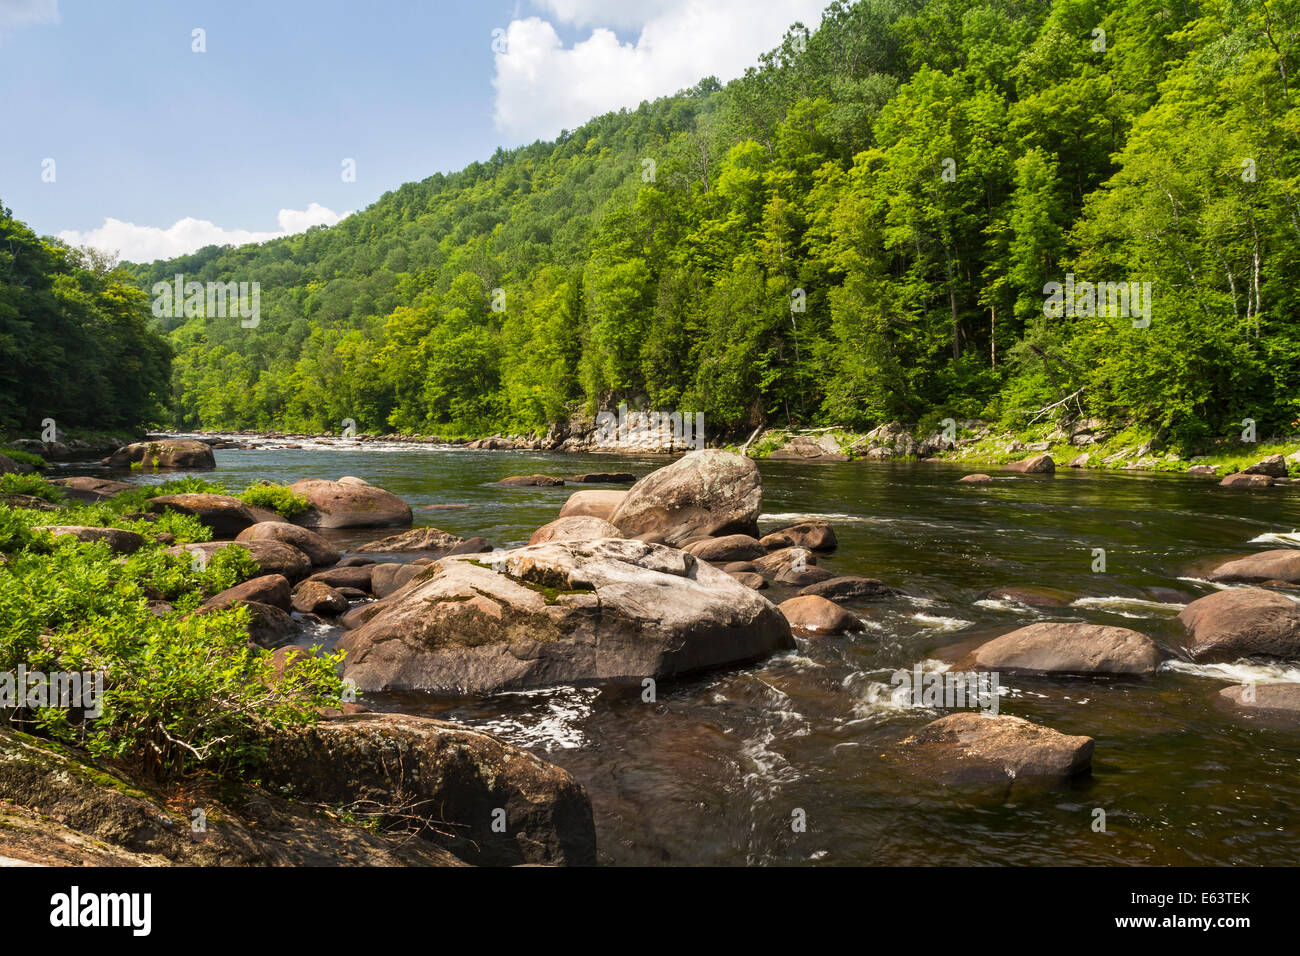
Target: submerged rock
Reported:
[(975, 749), (562, 612)]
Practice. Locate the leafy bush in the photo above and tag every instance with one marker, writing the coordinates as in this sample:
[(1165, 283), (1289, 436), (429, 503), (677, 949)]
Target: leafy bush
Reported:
[(181, 690), (279, 498), (33, 485)]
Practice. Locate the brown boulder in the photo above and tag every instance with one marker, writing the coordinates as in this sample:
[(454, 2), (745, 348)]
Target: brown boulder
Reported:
[(749, 579), (1280, 565), (1243, 480), (165, 454), (226, 515), (350, 503), (976, 479), (732, 547), (272, 589), (1069, 647), (91, 490), (605, 477), (1264, 700), (1036, 465), (317, 597), (594, 504), (974, 749), (1242, 622), (319, 551), (386, 579), (815, 616), (445, 781), (532, 481), (706, 492), (574, 528), (271, 557), (849, 587), (1274, 466), (813, 535), (350, 576)]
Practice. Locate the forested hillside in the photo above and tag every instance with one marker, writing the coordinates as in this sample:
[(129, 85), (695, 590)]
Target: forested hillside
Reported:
[(77, 344), (859, 230)]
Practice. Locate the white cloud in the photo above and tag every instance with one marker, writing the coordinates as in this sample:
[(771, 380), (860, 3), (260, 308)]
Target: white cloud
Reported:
[(24, 13), (543, 86), (135, 243)]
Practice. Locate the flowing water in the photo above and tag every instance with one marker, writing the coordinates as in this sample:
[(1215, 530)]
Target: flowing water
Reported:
[(715, 770)]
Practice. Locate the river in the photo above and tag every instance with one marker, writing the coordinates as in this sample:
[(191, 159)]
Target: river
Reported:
[(717, 767)]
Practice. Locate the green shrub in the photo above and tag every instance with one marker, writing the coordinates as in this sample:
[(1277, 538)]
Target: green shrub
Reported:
[(182, 690), (34, 485), (279, 498)]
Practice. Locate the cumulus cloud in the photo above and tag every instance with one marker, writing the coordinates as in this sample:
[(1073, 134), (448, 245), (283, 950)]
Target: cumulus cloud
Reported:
[(135, 243), (542, 86)]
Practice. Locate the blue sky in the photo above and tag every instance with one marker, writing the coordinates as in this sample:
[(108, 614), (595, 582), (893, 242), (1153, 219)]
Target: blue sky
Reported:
[(158, 149)]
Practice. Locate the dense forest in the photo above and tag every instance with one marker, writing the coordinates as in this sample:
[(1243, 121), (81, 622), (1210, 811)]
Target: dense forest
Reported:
[(861, 229), (78, 346)]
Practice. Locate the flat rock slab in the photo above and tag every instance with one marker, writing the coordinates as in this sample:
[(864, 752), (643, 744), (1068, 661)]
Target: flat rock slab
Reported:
[(1242, 622), (532, 481), (850, 587), (417, 539), (559, 613), (574, 528), (1069, 647), (970, 749), (605, 477), (91, 490)]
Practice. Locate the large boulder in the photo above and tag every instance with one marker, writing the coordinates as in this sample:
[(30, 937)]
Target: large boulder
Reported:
[(317, 597), (1069, 647), (560, 613), (813, 535), (707, 492), (445, 781), (226, 515), (574, 528), (594, 504), (170, 454), (1242, 622), (119, 540), (1036, 465), (91, 490), (350, 503), (319, 551), (417, 539), (1280, 565), (977, 749)]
